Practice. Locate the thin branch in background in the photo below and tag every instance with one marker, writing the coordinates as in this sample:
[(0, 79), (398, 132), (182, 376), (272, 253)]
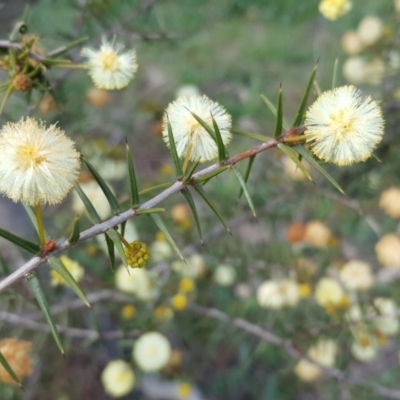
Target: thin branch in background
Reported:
[(76, 333), (288, 347), (354, 205)]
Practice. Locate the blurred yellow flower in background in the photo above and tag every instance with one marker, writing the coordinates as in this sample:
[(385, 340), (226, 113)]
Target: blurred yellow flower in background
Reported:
[(17, 354), (356, 275), (318, 234), (364, 346), (370, 30), (179, 302), (278, 293), (390, 201), (151, 351), (128, 311), (388, 250), (73, 267), (118, 378), (328, 293), (324, 353), (333, 9)]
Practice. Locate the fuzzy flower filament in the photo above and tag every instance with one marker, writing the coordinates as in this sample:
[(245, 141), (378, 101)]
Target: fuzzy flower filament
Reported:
[(192, 141), (344, 126), (110, 67), (38, 164)]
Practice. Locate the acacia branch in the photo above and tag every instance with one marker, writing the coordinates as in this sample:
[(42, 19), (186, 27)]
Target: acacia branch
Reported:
[(63, 245)]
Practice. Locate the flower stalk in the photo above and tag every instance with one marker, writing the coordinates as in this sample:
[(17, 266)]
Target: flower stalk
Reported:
[(40, 227)]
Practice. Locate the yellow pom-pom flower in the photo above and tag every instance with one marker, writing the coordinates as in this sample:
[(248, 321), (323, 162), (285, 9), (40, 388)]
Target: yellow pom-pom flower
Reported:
[(186, 285), (191, 139), (137, 254), (179, 302), (333, 9), (128, 311), (38, 164), (110, 67), (344, 126)]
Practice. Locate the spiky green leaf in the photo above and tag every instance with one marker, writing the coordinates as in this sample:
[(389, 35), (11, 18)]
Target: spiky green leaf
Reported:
[(36, 287), (92, 213), (161, 186), (274, 111), (20, 242), (133, 186), (123, 226), (303, 103), (162, 227), (75, 232), (174, 153), (189, 198), (309, 157), (245, 190), (112, 200), (113, 235), (220, 144), (204, 125), (205, 179), (294, 156), (208, 201), (335, 73), (155, 210), (279, 115), (251, 135), (57, 265), (192, 169), (111, 251), (10, 371), (247, 173)]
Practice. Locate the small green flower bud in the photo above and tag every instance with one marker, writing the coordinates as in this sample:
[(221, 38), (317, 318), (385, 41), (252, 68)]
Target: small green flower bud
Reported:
[(137, 254)]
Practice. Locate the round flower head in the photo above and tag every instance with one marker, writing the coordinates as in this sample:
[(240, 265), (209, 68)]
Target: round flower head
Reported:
[(152, 351), (109, 67), (343, 126), (16, 352), (117, 378), (333, 9), (191, 139), (356, 275), (38, 165), (390, 202), (324, 353), (388, 251)]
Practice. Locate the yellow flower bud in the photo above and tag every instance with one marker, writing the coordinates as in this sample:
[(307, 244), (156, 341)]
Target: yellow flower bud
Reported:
[(137, 254)]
